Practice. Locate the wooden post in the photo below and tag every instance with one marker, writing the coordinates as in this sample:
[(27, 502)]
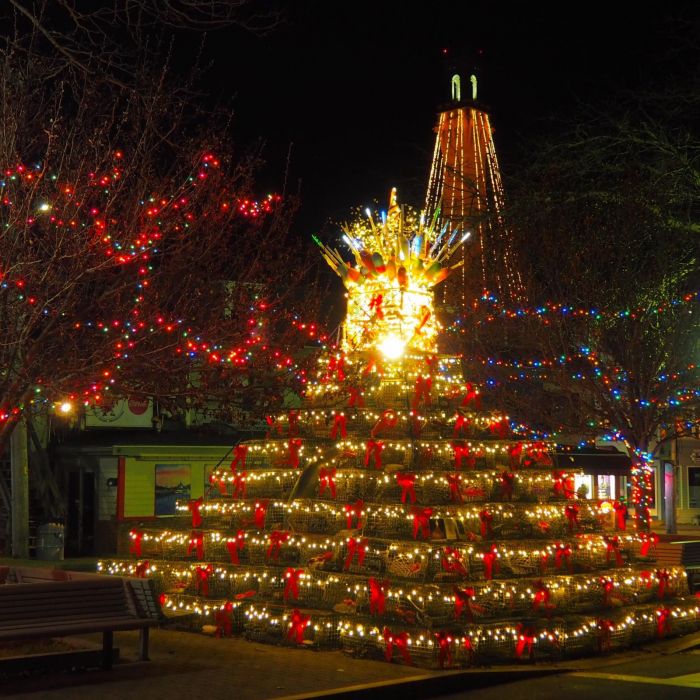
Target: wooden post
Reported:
[(143, 644), (20, 491), (107, 649)]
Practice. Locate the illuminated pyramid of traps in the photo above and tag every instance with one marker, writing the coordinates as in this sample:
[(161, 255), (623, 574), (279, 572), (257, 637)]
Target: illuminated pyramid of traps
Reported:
[(398, 517)]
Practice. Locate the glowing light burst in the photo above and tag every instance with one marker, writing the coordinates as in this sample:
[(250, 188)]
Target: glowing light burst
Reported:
[(398, 259)]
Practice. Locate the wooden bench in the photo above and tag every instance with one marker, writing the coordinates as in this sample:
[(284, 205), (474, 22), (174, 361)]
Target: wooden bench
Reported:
[(85, 603), (685, 553)]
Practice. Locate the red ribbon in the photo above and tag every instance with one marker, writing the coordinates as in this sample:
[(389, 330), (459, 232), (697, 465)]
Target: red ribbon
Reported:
[(514, 454), (444, 641), (421, 521), (201, 581), (374, 449), (340, 423), (336, 365), (260, 513), (240, 452), (563, 484), (613, 547), (388, 420), (544, 559), (454, 480), (356, 546), (353, 511), (620, 515), (135, 538), (291, 586), (193, 506), (663, 621), (649, 543), (608, 587), (292, 423), (571, 513), (486, 520), (461, 424), (453, 561), (326, 480), (276, 539), (432, 363), (298, 624), (562, 552), (463, 599), (538, 453), (141, 569), (221, 483), (463, 452), (398, 640), (507, 479), (469, 648), (500, 428), (490, 562), (376, 304), (471, 396), (223, 619), (605, 629), (663, 577), (646, 577), (236, 545), (355, 399), (526, 640), (273, 426), (421, 392), (541, 597), (293, 457), (239, 484), (407, 483), (196, 544), (377, 596)]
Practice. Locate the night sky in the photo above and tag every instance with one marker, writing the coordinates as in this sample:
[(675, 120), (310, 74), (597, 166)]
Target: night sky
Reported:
[(354, 86)]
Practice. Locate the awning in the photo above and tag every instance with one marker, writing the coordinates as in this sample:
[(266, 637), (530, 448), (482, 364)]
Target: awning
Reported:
[(595, 462)]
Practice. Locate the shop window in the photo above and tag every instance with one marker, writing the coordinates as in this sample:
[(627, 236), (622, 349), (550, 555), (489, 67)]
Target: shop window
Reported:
[(606, 486), (694, 487)]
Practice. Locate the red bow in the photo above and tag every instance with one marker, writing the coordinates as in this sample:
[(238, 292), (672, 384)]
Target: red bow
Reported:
[(500, 428), (463, 452), (469, 648), (507, 479), (298, 624), (538, 452), (490, 562), (663, 621), (663, 577), (388, 420), (354, 511), (239, 483), (377, 596), (541, 597), (356, 545), (196, 544), (407, 483), (273, 426), (276, 539), (201, 581), (444, 641), (223, 619), (486, 520), (514, 454), (193, 506), (613, 546), (336, 365), (421, 392), (326, 480), (376, 304), (605, 630), (620, 515), (453, 561), (141, 569), (432, 363), (463, 599), (236, 545), (340, 422), (135, 538), (374, 449), (526, 639), (649, 543), (293, 457), (221, 483), (355, 397), (563, 484), (608, 586), (291, 587), (461, 424), (563, 551), (400, 641), (454, 480), (471, 396), (571, 513), (292, 423), (240, 452), (421, 521), (646, 577), (260, 513)]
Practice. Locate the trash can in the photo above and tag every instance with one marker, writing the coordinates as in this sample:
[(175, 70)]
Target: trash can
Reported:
[(49, 542)]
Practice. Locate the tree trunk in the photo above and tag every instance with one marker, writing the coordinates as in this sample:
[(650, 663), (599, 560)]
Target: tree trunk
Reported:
[(20, 491)]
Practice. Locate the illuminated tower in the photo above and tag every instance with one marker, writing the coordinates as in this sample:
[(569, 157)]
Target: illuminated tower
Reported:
[(465, 192)]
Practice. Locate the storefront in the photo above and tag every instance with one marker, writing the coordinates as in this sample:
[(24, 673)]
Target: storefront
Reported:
[(606, 472)]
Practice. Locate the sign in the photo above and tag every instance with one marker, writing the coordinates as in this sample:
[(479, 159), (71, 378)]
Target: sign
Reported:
[(134, 412)]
